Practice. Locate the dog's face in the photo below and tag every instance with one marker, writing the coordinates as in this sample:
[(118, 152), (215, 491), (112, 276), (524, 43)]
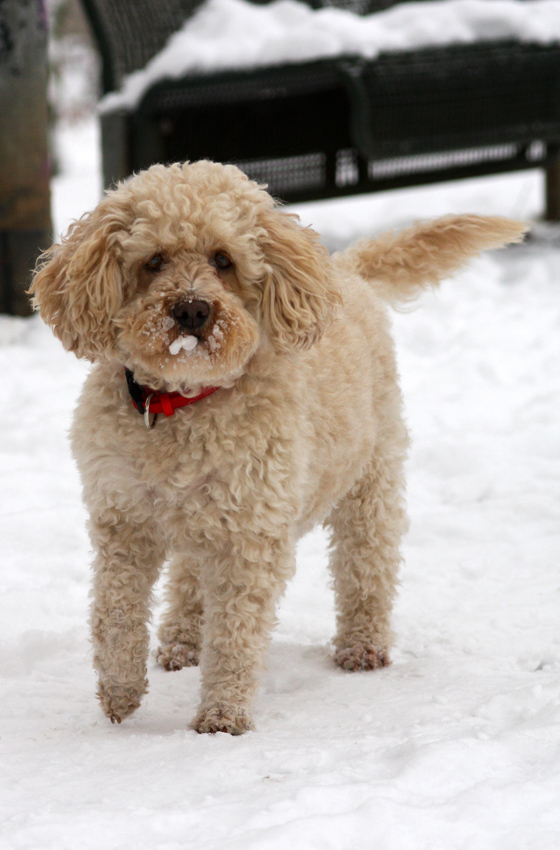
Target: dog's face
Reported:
[(182, 273)]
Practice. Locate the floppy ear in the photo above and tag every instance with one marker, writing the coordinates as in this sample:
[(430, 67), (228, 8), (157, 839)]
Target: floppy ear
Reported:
[(78, 284), (299, 292)]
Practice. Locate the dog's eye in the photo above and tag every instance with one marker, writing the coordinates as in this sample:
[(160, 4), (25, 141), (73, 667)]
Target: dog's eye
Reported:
[(155, 263), (222, 261)]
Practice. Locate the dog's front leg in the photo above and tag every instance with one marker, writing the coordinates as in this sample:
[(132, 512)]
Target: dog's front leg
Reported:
[(240, 588), (129, 556)]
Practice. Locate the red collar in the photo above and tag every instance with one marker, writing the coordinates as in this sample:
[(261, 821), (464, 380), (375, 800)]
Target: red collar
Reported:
[(151, 402)]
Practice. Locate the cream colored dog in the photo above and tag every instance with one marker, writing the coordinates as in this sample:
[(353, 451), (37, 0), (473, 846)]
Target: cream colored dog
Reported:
[(192, 280)]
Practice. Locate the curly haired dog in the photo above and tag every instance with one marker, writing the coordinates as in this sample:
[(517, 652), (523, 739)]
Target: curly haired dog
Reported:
[(266, 373)]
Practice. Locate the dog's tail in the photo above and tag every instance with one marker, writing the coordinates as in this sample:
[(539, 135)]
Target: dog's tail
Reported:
[(399, 265)]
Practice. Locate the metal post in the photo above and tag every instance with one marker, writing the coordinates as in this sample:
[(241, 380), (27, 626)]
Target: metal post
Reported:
[(553, 190)]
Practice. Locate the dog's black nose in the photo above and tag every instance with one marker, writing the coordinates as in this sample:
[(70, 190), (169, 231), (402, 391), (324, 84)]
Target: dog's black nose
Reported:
[(191, 315)]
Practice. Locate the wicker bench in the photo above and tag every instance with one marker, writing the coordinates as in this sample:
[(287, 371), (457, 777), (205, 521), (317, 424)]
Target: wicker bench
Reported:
[(335, 127)]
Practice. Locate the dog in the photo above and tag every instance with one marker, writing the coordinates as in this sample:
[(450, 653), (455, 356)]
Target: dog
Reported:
[(244, 390)]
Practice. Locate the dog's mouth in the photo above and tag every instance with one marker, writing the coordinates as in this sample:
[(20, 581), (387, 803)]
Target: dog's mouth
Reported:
[(196, 334)]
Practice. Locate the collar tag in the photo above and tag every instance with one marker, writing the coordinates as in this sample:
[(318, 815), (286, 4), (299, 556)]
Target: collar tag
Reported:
[(149, 425)]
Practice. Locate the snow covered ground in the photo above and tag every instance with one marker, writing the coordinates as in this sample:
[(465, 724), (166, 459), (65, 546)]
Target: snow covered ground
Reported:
[(457, 744)]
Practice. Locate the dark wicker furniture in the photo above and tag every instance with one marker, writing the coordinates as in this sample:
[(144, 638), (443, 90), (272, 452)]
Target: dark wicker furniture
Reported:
[(335, 127)]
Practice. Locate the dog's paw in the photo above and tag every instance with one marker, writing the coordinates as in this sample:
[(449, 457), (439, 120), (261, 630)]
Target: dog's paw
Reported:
[(222, 718), (362, 656), (175, 656), (119, 702)]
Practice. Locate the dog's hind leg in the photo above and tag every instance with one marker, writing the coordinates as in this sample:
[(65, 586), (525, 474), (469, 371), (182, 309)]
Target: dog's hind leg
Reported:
[(365, 555), (129, 557), (181, 628)]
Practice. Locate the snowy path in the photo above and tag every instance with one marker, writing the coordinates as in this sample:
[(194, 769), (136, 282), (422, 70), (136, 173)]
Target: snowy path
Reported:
[(457, 745)]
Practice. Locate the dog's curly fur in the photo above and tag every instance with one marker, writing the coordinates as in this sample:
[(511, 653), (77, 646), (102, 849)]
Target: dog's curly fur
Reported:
[(306, 426)]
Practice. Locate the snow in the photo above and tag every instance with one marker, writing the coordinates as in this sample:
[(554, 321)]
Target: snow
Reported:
[(187, 343), (233, 34), (457, 744)]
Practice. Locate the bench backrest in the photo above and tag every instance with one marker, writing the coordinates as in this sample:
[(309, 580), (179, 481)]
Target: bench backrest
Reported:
[(130, 32)]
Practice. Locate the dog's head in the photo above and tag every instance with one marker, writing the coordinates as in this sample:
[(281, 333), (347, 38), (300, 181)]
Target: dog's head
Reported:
[(181, 273)]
